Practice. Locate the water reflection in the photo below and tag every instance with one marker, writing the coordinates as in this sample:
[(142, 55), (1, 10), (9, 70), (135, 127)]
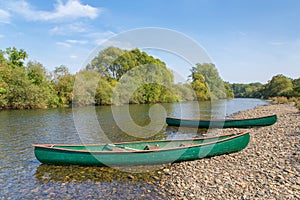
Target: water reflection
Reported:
[(24, 176), (47, 173)]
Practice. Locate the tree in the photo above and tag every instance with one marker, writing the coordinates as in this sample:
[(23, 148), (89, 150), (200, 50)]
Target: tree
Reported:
[(138, 77), (144, 84), (229, 90), (85, 86), (112, 63), (3, 85), (104, 62), (16, 57), (252, 90), (278, 86), (200, 87), (296, 87), (36, 72), (63, 84), (45, 93), (210, 78), (104, 92)]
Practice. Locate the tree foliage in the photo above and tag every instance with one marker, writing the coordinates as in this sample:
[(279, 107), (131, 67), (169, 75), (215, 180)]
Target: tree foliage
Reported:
[(208, 84), (252, 90), (279, 85), (117, 76), (63, 84), (16, 57), (23, 87), (296, 87)]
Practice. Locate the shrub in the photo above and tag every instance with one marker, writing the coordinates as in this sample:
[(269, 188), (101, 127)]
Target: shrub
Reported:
[(280, 100), (298, 104)]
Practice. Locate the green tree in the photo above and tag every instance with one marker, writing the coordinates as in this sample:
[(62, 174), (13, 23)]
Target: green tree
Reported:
[(63, 84), (229, 90), (16, 57), (3, 85), (211, 78), (85, 87), (183, 92), (296, 87), (278, 86), (104, 92), (36, 73), (39, 77), (104, 64), (144, 84), (200, 87), (131, 69), (130, 59), (18, 90), (252, 90)]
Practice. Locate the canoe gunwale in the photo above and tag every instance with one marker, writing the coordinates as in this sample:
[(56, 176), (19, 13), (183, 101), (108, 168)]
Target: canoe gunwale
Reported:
[(230, 137), (221, 120)]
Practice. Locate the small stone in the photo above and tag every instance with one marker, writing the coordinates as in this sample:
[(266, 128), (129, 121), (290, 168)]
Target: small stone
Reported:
[(130, 176), (35, 190)]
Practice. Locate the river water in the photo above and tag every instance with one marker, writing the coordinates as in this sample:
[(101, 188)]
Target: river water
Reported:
[(23, 177)]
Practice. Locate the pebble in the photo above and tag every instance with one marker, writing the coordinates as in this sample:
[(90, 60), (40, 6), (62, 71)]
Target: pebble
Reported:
[(268, 168)]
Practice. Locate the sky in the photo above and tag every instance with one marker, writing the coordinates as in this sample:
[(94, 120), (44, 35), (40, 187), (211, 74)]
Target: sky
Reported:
[(248, 40)]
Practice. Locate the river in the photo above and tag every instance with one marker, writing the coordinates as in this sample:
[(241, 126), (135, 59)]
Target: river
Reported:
[(23, 177)]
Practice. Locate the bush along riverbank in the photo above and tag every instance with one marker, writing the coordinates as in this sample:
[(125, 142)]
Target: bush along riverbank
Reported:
[(269, 167)]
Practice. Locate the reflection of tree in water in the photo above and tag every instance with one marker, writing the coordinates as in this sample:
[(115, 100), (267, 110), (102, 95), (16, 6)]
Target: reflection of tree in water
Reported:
[(47, 173)]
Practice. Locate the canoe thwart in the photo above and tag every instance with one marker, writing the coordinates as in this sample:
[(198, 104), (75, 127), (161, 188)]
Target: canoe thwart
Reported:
[(149, 147), (150, 152), (113, 147)]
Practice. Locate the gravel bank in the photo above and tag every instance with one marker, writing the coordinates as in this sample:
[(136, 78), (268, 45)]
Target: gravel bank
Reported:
[(269, 167)]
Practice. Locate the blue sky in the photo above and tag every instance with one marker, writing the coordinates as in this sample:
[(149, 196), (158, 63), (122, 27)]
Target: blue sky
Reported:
[(248, 40)]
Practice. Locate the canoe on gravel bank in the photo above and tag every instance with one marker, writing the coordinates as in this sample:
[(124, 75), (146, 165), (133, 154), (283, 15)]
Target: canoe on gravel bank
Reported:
[(140, 152), (227, 123)]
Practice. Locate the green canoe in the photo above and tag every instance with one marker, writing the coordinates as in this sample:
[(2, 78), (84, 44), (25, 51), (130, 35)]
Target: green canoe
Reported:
[(227, 123), (140, 152)]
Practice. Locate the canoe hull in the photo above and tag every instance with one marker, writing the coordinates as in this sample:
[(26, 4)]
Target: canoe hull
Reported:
[(57, 156), (239, 123)]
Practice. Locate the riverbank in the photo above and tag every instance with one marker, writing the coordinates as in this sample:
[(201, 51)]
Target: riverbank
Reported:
[(269, 167)]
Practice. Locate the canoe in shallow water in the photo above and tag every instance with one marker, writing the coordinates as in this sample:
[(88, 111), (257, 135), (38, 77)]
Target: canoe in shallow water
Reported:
[(227, 123), (140, 152)]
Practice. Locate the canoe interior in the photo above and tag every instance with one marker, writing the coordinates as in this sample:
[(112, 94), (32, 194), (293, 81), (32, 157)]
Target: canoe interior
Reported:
[(135, 146), (135, 153), (226, 123)]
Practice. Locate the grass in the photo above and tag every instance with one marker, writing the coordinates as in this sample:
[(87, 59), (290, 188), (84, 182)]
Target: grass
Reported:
[(285, 100), (280, 100)]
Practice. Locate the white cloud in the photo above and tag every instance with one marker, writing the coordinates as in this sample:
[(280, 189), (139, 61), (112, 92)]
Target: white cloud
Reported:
[(277, 43), (77, 41), (72, 9), (69, 43), (4, 17), (68, 28), (73, 56), (64, 44)]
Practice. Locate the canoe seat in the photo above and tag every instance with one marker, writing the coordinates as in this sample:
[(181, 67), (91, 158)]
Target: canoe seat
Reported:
[(187, 145), (149, 147), (112, 147), (118, 149)]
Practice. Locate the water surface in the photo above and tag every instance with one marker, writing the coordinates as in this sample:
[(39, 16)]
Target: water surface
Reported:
[(23, 177)]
